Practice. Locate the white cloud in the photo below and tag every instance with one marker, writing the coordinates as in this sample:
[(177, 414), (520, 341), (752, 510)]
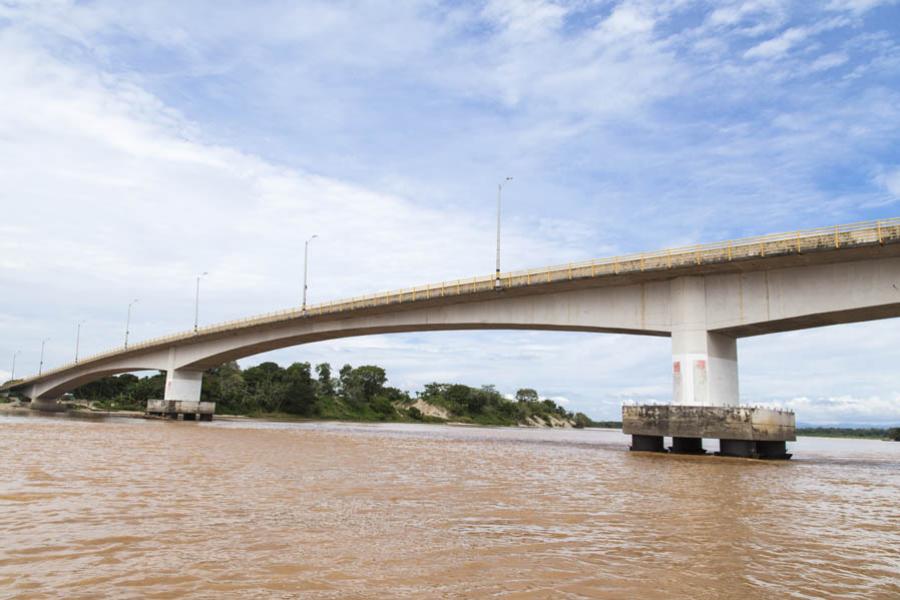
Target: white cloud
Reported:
[(829, 61), (848, 410), (626, 20), (891, 181), (857, 6), (124, 206), (777, 46)]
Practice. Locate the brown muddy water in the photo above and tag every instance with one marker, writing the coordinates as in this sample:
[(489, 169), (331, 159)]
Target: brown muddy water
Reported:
[(145, 509)]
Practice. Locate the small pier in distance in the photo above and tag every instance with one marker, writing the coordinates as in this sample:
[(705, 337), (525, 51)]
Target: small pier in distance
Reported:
[(188, 410)]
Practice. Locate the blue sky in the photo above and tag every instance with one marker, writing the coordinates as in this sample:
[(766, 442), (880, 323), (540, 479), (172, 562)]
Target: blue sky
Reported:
[(143, 143)]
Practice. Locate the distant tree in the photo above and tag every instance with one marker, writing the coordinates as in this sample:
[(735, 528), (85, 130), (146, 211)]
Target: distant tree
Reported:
[(582, 420), (148, 388), (527, 395), (107, 388), (326, 385), (344, 379), (894, 434), (225, 386), (362, 384), (300, 390), (457, 396), (266, 388), (383, 406)]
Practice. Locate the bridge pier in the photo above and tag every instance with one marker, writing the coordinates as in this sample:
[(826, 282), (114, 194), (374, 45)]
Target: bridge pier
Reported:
[(705, 393), (182, 397), (45, 405), (182, 384), (704, 363)]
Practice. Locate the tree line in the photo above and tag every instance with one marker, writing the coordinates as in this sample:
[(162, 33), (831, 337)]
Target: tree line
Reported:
[(353, 393)]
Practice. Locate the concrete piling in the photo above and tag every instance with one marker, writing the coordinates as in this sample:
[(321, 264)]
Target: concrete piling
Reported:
[(684, 445)]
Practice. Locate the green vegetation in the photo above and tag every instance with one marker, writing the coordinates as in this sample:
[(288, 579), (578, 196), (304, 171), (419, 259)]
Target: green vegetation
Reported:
[(486, 406), (125, 392), (851, 432), (605, 424), (356, 394)]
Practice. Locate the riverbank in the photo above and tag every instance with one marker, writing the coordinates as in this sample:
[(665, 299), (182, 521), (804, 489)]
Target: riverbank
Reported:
[(25, 410), (872, 433)]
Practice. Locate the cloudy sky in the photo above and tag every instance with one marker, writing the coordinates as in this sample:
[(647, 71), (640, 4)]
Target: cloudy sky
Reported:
[(143, 143)]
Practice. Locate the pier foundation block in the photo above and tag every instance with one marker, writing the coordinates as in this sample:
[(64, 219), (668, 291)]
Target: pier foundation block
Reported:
[(189, 410), (742, 431)]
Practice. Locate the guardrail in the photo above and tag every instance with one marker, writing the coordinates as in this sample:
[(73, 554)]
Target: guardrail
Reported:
[(779, 244)]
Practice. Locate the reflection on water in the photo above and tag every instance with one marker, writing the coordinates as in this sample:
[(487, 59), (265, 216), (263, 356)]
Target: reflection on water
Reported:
[(132, 508)]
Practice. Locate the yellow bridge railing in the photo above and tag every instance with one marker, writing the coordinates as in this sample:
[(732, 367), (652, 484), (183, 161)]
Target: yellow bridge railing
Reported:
[(867, 233)]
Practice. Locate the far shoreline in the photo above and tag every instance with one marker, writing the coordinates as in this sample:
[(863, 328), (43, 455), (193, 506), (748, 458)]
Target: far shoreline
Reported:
[(861, 433)]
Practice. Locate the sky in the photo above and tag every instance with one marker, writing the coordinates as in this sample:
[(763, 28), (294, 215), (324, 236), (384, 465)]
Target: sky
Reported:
[(144, 143)]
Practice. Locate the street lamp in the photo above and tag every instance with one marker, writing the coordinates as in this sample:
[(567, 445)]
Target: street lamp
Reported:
[(128, 321), (499, 193), (77, 340), (197, 301), (12, 375), (41, 365), (306, 269)]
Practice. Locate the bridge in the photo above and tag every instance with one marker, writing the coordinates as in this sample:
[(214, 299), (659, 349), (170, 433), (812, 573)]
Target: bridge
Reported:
[(704, 297)]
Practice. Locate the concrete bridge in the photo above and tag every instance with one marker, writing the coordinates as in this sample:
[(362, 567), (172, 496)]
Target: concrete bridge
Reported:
[(704, 297)]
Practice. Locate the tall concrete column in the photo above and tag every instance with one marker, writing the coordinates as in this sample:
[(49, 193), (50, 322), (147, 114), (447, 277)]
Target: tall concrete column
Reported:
[(183, 385), (704, 364)]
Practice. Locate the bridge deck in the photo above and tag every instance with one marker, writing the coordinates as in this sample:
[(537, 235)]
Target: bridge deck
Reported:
[(812, 241)]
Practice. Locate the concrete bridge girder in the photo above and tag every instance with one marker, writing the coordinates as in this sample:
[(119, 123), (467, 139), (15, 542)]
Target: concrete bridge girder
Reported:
[(704, 314), (630, 309), (58, 384), (759, 302)]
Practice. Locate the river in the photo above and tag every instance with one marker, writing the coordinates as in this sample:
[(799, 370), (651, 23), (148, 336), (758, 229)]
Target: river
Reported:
[(128, 508)]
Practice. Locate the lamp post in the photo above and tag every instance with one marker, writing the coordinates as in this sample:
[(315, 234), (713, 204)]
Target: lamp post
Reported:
[(12, 374), (41, 365), (128, 321), (77, 339), (499, 194), (306, 269), (197, 301)]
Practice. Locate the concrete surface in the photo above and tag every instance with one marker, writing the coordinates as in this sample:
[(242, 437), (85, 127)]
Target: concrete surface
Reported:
[(711, 422)]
